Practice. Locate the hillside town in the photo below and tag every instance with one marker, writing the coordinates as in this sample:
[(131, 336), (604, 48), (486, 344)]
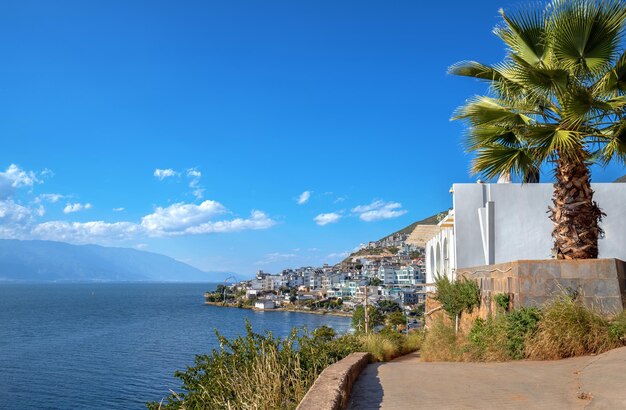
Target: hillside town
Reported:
[(391, 269)]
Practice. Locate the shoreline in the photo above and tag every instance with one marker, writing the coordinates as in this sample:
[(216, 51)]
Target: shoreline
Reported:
[(314, 312)]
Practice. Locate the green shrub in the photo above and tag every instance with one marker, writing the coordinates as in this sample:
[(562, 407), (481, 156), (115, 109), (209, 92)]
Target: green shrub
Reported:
[(375, 318), (258, 371), (487, 340), (503, 337), (458, 296), (502, 301), (521, 326), (325, 333), (617, 328)]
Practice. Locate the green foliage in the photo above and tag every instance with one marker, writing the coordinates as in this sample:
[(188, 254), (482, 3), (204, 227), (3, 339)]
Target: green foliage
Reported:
[(259, 371), (396, 318), (325, 333), (562, 328), (521, 326), (265, 372), (387, 306), (559, 93), (393, 250), (503, 337), (358, 318), (458, 296), (502, 301), (617, 328), (375, 282)]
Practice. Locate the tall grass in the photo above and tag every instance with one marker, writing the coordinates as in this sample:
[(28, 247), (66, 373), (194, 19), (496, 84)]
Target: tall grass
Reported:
[(562, 328), (568, 328), (441, 343), (263, 372)]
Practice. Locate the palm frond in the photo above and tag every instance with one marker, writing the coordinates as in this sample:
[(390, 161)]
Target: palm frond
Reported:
[(524, 32), (584, 35), (613, 82), (615, 144), (490, 111), (478, 137), (493, 160)]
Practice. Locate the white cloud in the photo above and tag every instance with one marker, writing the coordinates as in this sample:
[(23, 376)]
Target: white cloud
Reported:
[(21, 222), (178, 217), (275, 257), (161, 174), (329, 218), (76, 207), (257, 220), (338, 255), (15, 177), (378, 210), (304, 197), (53, 198), (86, 232), (194, 175), (15, 219)]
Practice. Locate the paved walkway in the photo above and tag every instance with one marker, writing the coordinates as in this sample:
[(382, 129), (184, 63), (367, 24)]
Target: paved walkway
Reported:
[(590, 382)]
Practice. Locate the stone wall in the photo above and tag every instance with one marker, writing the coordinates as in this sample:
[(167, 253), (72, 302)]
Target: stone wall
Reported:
[(331, 390), (600, 282)]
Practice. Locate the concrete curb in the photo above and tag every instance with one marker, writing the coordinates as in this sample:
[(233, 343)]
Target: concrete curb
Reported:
[(331, 390)]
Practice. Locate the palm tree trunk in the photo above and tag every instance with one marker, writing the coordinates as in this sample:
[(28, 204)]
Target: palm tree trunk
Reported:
[(575, 215)]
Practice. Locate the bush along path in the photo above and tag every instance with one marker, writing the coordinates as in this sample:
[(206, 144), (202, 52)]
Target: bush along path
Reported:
[(260, 371)]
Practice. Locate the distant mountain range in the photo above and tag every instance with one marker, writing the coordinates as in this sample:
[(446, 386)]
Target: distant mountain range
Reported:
[(48, 261), (621, 179)]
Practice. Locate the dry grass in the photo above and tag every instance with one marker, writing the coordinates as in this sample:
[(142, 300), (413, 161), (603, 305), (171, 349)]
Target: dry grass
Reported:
[(380, 346), (568, 328), (271, 382), (414, 341), (441, 344), (387, 346)]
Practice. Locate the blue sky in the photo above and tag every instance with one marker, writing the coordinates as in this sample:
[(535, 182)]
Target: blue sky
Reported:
[(192, 129)]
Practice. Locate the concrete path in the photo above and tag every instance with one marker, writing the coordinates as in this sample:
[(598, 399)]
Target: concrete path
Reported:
[(590, 382)]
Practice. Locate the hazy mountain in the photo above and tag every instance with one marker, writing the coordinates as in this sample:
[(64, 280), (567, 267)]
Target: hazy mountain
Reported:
[(47, 261), (621, 179)]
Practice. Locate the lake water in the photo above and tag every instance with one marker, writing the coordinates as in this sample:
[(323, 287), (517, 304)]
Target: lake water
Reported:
[(117, 346)]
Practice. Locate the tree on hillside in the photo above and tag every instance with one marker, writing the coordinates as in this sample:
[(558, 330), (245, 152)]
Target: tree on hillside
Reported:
[(558, 97)]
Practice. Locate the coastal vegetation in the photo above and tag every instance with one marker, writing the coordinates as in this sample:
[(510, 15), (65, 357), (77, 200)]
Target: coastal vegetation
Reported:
[(558, 98), (262, 371), (562, 328)]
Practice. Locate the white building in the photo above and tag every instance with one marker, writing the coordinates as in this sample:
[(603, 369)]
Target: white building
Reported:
[(495, 223), (264, 304)]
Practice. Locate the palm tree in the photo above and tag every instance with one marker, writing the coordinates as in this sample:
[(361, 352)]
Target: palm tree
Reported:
[(559, 97)]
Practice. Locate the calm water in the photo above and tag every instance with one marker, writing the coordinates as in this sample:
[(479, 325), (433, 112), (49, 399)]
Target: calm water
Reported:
[(113, 345)]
